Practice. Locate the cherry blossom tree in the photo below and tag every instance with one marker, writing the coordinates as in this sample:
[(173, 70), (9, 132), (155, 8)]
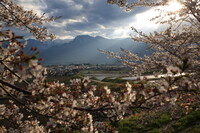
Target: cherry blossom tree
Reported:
[(34, 105), (176, 50)]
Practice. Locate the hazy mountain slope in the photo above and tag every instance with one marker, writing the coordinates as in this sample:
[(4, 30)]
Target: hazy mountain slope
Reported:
[(84, 49), (44, 45)]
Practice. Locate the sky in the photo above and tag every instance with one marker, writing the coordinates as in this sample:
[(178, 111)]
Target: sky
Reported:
[(91, 17)]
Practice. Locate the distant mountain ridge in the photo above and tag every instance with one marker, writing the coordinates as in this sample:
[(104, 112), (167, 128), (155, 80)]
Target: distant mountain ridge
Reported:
[(45, 45), (84, 49)]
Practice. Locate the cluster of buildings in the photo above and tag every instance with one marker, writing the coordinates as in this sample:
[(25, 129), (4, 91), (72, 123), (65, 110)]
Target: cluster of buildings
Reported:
[(72, 69)]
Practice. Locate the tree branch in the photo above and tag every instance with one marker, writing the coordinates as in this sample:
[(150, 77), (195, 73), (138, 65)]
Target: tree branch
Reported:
[(103, 108), (15, 87), (26, 82)]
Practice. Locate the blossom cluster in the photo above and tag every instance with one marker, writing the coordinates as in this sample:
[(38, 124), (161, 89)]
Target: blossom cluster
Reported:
[(175, 57), (14, 15)]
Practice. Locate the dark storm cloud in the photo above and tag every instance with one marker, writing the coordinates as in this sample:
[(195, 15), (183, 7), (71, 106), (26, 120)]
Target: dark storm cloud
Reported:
[(99, 11), (84, 15), (66, 9)]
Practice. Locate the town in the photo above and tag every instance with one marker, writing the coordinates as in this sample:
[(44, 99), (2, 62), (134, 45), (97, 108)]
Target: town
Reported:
[(72, 69)]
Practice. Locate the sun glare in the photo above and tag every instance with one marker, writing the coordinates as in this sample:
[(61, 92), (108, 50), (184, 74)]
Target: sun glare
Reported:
[(172, 6), (142, 21)]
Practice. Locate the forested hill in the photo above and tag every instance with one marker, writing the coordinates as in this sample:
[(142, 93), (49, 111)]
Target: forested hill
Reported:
[(84, 49)]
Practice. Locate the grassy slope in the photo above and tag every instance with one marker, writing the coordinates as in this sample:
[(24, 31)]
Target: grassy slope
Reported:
[(160, 123)]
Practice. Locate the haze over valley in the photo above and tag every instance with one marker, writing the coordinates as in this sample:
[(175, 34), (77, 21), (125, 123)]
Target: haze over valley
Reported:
[(84, 49)]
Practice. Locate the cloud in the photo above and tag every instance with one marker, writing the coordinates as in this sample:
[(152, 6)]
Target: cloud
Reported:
[(36, 5), (92, 17), (89, 1)]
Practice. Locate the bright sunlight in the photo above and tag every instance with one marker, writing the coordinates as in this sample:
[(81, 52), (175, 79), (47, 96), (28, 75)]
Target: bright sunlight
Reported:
[(172, 6), (143, 20)]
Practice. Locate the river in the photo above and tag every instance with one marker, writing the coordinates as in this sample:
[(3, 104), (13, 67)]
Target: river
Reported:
[(127, 77)]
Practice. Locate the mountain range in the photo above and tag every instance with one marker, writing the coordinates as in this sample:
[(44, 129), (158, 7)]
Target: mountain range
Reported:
[(84, 49)]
